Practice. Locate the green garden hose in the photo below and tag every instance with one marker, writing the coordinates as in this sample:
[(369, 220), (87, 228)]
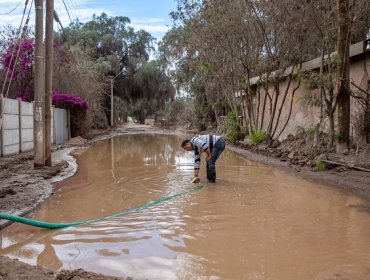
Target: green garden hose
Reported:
[(41, 224)]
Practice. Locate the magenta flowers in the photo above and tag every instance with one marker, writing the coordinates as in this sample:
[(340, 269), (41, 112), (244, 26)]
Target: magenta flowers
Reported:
[(20, 56), (67, 100), (17, 62)]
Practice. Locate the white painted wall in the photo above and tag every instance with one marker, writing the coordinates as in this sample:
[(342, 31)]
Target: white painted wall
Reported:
[(16, 131)]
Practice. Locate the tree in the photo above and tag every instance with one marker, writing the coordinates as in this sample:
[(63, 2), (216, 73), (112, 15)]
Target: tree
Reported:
[(121, 51), (153, 89), (227, 43), (343, 86), (77, 72), (221, 45)]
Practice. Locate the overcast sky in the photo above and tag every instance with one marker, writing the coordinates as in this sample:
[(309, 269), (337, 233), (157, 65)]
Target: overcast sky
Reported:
[(150, 15)]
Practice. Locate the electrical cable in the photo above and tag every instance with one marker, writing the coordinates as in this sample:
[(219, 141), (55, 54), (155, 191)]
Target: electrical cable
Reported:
[(12, 10), (65, 6)]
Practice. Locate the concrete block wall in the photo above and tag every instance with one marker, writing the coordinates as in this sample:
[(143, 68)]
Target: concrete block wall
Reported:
[(26, 121), (10, 129), (16, 129)]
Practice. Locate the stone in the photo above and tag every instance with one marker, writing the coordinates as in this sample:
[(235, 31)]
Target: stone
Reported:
[(76, 141)]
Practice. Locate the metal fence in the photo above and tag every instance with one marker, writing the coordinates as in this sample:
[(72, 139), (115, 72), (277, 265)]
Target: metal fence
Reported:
[(61, 126), (16, 129)]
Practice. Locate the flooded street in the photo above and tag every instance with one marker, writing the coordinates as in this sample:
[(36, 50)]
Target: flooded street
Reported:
[(256, 222)]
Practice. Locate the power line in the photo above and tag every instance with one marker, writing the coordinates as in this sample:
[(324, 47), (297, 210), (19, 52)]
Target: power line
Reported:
[(12, 10), (71, 9), (76, 8), (65, 6)]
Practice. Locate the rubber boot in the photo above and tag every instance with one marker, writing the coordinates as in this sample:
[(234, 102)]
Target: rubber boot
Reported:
[(211, 171)]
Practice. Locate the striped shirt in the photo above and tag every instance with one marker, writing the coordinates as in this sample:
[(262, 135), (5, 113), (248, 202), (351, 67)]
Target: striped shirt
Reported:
[(201, 143)]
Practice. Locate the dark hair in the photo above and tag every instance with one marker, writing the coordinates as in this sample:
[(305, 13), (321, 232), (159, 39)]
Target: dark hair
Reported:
[(184, 142)]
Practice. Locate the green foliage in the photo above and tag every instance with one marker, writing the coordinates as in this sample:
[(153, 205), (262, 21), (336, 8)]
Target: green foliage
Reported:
[(299, 130), (319, 165), (312, 82), (239, 107), (257, 137), (180, 112), (231, 118), (234, 132), (102, 66), (120, 51), (121, 110), (334, 60), (337, 136), (311, 131), (153, 88), (75, 72), (310, 99), (103, 34), (206, 68)]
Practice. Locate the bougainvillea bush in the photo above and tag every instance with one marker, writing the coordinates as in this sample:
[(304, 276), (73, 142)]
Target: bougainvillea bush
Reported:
[(17, 62), (77, 107), (69, 101)]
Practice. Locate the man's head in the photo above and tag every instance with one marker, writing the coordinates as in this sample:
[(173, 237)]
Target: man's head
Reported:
[(186, 145)]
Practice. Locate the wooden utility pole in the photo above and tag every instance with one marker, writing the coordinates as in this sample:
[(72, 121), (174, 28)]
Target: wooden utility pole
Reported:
[(39, 86), (49, 41)]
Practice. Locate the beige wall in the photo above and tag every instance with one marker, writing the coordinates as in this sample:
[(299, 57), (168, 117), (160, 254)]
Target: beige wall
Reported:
[(303, 115)]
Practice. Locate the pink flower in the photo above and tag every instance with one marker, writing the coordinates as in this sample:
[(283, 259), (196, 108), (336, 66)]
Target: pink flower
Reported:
[(68, 100)]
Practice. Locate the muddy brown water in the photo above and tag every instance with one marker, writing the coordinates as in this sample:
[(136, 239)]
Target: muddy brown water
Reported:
[(256, 222)]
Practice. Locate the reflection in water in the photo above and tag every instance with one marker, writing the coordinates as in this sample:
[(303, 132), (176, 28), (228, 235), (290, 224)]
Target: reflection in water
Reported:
[(256, 222)]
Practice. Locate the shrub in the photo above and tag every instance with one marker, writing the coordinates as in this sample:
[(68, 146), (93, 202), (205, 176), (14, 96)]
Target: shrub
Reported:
[(299, 130), (69, 101), (257, 137), (234, 132), (311, 131), (320, 165), (77, 107)]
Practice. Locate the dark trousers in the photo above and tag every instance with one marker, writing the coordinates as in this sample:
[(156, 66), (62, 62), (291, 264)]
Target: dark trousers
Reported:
[(218, 148)]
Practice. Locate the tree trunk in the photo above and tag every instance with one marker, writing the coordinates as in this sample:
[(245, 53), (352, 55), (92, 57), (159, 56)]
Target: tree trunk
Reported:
[(343, 89), (331, 129)]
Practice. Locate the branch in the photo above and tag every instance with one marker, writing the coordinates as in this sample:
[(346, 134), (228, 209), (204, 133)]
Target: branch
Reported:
[(360, 89), (346, 165)]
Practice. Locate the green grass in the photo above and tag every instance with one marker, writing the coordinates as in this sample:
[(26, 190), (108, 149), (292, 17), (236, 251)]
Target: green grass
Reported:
[(257, 137)]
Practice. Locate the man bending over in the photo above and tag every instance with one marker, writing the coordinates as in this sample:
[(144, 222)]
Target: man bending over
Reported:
[(212, 145)]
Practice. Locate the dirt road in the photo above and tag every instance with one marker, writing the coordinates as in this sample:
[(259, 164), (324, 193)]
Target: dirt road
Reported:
[(23, 187)]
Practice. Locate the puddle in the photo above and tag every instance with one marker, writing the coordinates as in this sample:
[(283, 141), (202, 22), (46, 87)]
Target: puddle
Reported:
[(256, 222)]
